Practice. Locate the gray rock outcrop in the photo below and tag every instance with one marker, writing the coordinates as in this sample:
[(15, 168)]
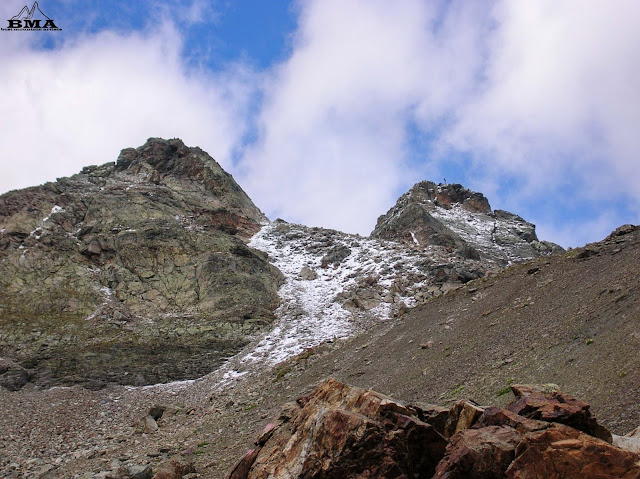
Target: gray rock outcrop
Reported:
[(451, 216), (132, 272)]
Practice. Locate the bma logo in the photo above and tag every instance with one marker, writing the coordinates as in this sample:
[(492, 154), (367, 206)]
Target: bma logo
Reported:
[(32, 19)]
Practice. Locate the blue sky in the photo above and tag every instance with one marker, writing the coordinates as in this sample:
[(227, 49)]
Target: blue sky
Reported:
[(325, 111)]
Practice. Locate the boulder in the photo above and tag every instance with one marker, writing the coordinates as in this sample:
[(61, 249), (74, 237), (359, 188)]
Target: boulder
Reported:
[(534, 402), (308, 274), (484, 453), (174, 470), (562, 452), (630, 442), (340, 431)]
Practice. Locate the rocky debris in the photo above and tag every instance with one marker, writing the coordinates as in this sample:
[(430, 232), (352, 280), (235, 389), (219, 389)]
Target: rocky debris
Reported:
[(339, 431), (545, 404), (338, 284), (451, 216), (132, 272)]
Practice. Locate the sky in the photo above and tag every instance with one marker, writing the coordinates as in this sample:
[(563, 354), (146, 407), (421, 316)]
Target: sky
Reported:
[(325, 111)]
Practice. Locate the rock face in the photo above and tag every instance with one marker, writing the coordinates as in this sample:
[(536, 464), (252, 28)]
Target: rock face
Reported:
[(458, 219), (131, 272), (343, 432)]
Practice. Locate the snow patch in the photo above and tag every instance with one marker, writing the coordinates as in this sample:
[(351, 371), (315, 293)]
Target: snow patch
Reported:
[(54, 210)]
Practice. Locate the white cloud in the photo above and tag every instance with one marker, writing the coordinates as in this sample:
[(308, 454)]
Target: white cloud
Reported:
[(560, 97), (332, 131), (81, 103), (544, 92)]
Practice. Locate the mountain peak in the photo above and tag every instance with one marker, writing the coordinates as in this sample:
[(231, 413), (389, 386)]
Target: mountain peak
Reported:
[(454, 217)]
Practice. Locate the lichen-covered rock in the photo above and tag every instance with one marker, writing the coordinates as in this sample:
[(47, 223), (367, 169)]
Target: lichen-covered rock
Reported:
[(132, 272)]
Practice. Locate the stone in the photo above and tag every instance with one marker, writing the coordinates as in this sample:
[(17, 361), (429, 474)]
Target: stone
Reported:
[(139, 472), (538, 403), (462, 416), (308, 274), (12, 376), (630, 441), (339, 431), (496, 416), (479, 453), (149, 425), (562, 452), (174, 470), (336, 255)]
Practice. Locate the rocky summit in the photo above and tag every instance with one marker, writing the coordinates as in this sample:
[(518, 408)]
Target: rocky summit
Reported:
[(132, 272), (453, 217), (182, 319)]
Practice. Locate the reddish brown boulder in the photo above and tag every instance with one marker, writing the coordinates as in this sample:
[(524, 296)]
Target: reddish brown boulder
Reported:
[(462, 416), (343, 432), (174, 470), (561, 452), (480, 453), (535, 403), (495, 416)]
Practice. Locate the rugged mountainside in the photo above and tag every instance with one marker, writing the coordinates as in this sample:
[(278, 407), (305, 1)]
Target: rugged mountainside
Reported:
[(570, 318), (159, 268), (133, 272), (460, 220)]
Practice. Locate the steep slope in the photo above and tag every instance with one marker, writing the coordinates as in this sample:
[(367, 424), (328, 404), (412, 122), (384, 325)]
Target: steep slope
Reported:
[(135, 272), (571, 319), (461, 220)]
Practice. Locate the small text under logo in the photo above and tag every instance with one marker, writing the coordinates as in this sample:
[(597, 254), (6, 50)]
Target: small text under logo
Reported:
[(32, 19)]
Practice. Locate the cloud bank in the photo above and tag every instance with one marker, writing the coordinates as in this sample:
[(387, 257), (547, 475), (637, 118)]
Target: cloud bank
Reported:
[(533, 103), (82, 102)]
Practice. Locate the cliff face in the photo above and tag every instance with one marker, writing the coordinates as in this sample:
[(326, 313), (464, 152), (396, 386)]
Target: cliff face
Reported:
[(460, 220), (132, 272)]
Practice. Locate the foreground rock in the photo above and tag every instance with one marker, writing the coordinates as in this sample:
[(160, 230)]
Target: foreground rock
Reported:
[(132, 272), (340, 431)]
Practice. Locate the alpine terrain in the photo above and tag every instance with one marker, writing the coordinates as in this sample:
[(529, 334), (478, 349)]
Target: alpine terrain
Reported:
[(154, 323)]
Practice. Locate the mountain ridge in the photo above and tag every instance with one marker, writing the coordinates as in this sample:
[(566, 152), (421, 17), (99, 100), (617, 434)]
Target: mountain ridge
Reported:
[(99, 278)]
